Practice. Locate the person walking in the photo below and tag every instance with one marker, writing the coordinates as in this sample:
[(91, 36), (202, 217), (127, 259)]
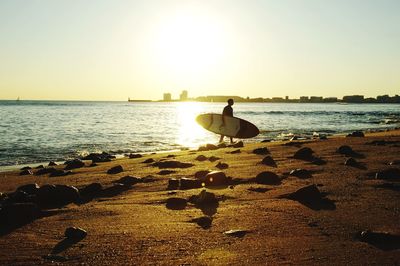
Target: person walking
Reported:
[(228, 111)]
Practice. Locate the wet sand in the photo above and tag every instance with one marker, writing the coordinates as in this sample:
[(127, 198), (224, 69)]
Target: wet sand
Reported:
[(134, 226)]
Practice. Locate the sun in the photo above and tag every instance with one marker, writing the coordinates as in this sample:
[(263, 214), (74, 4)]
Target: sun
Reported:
[(189, 44)]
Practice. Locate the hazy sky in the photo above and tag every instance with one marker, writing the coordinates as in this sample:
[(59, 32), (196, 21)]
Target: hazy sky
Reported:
[(112, 50)]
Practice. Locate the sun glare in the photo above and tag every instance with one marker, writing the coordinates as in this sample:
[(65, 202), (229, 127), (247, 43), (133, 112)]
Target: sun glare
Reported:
[(189, 44)]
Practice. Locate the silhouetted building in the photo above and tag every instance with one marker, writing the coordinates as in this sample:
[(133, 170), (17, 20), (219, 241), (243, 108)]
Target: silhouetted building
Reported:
[(183, 96), (330, 99), (167, 97), (304, 99), (353, 99), (316, 99)]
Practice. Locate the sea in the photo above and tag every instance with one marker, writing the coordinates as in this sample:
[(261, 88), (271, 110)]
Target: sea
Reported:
[(34, 132)]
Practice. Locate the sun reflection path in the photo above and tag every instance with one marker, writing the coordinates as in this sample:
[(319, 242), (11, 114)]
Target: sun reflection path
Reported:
[(191, 134)]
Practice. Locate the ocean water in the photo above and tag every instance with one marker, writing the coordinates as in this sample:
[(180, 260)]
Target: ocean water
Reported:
[(39, 131)]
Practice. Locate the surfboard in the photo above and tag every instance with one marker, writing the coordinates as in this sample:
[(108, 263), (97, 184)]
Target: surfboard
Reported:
[(234, 127)]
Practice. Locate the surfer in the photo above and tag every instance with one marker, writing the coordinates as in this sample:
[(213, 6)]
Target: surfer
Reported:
[(228, 111)]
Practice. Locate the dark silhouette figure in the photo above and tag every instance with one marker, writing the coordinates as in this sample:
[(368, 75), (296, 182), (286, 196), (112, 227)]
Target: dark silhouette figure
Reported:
[(228, 111)]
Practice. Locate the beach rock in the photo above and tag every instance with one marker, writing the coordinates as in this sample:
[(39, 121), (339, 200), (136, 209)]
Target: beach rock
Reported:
[(135, 156), (26, 172), (166, 172), (235, 151), (73, 164), (43, 171), (56, 195), (93, 164), (216, 178), (301, 173), (176, 203), (208, 147), (114, 190), (204, 221), (323, 137), (60, 172), (265, 141), (213, 158), (92, 190), (173, 184), (26, 168), (75, 233), (381, 240), (306, 194), (221, 145), (261, 151), (238, 144), (222, 166), (150, 160), (19, 197), (201, 174), (268, 178), (304, 154), (389, 174), (201, 158), (204, 199), (30, 189), (17, 214), (258, 189), (293, 138), (51, 163), (345, 150), (172, 164), (115, 170), (39, 166), (356, 134), (170, 156), (189, 183), (236, 232), (129, 180), (268, 160), (99, 157), (351, 162)]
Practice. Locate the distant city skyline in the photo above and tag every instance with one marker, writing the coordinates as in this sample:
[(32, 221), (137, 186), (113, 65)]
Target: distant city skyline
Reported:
[(112, 50)]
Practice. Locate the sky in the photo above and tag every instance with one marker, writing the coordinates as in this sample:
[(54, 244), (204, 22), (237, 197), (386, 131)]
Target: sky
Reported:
[(115, 49)]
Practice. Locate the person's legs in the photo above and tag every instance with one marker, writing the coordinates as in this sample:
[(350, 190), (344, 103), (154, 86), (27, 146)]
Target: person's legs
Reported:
[(231, 140), (221, 138)]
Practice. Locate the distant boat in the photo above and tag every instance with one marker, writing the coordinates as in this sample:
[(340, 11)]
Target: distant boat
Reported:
[(18, 99)]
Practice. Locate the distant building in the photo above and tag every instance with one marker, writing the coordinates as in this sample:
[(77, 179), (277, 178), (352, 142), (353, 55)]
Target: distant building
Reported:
[(316, 99), (167, 97), (183, 96), (286, 98), (304, 99), (330, 99), (353, 99)]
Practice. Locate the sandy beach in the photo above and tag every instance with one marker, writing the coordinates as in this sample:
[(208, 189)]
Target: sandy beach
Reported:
[(246, 215)]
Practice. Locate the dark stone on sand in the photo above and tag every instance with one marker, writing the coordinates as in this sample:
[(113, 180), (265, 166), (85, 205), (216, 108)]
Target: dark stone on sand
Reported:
[(294, 138), (389, 174), (201, 158), (268, 160), (238, 144), (213, 158), (134, 156), (114, 190), (351, 162), (258, 189), (115, 170), (203, 199), (208, 147), (166, 172), (17, 214), (236, 233), (91, 190), (172, 164), (265, 141), (25, 168), (173, 184), (304, 154), (75, 233), (323, 137), (235, 151), (311, 197), (221, 145), (204, 221), (51, 163), (170, 156), (189, 183), (261, 151), (301, 173), (60, 172), (56, 195), (268, 178), (43, 171), (39, 166), (222, 166), (93, 165), (129, 180), (19, 197), (73, 164), (150, 160), (345, 150), (176, 203), (216, 178), (382, 240), (99, 157), (356, 134), (201, 174), (30, 189), (26, 172)]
